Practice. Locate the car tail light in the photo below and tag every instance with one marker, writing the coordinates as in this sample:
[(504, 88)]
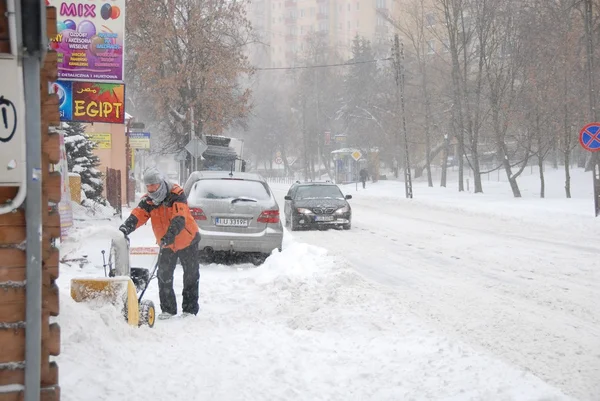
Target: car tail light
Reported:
[(197, 213), (269, 216)]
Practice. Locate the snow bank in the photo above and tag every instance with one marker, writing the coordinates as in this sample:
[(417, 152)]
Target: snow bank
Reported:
[(303, 326)]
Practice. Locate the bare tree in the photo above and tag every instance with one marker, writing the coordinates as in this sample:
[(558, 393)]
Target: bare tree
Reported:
[(186, 55)]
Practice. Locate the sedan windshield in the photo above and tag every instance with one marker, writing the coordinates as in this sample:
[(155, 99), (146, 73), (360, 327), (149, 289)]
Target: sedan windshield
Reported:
[(319, 192), (229, 189)]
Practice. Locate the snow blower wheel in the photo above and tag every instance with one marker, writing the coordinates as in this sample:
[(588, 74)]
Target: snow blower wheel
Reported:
[(147, 313)]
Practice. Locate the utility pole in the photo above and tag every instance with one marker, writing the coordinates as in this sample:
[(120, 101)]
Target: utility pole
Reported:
[(398, 55), (192, 135), (589, 36)]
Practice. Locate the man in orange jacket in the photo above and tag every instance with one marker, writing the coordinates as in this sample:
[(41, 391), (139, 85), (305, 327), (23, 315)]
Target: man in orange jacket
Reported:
[(176, 231)]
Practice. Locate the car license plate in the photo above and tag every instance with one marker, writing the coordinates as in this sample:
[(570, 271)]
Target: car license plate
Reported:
[(324, 218), (227, 222)]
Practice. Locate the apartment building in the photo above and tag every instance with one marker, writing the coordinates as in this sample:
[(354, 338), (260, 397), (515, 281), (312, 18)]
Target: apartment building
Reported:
[(284, 24)]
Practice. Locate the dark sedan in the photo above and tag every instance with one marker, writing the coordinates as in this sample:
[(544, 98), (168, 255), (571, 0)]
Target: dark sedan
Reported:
[(317, 205)]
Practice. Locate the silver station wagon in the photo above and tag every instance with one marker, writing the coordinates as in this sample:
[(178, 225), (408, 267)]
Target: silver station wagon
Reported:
[(237, 214)]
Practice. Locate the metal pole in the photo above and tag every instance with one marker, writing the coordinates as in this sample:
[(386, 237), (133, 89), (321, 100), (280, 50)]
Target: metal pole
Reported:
[(194, 162), (127, 163), (407, 172), (33, 214)]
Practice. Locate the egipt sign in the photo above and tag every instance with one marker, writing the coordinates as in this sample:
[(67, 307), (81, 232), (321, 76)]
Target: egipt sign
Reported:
[(90, 102)]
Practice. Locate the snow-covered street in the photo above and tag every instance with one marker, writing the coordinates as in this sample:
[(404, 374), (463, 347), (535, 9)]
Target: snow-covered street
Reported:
[(523, 289), (422, 300)]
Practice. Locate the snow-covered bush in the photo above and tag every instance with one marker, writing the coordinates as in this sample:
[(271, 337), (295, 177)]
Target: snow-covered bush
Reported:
[(83, 161)]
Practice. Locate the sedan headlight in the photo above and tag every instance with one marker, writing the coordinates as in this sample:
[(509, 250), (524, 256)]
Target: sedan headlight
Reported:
[(342, 210), (302, 210)]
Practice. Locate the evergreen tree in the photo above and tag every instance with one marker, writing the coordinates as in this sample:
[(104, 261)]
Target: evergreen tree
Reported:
[(83, 161)]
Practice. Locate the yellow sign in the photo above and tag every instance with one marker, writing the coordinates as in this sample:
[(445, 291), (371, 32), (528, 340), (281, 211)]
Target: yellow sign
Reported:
[(356, 155), (102, 139)]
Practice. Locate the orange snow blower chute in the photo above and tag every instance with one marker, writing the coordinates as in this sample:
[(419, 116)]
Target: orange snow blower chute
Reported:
[(120, 286)]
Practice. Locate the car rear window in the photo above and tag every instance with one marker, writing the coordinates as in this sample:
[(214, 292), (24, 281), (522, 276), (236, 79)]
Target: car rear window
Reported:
[(228, 189), (318, 191)]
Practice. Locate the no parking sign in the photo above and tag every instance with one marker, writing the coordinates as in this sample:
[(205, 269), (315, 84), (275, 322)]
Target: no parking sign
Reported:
[(589, 137)]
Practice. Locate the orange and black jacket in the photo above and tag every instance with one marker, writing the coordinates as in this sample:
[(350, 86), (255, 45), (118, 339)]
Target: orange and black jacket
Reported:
[(171, 219)]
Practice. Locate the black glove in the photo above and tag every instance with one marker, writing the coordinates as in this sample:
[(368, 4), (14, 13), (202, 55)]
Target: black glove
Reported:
[(168, 239), (125, 232)]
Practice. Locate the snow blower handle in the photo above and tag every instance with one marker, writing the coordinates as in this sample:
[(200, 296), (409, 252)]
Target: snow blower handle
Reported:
[(152, 274), (104, 262)]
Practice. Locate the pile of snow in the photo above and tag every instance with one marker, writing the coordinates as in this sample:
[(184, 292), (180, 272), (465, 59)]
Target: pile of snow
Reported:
[(303, 326), (92, 210)]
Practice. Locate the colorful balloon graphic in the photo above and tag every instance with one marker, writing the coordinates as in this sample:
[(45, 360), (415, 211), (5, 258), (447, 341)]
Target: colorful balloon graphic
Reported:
[(87, 27), (60, 26), (96, 40), (106, 11), (64, 45), (110, 12), (70, 24), (115, 12)]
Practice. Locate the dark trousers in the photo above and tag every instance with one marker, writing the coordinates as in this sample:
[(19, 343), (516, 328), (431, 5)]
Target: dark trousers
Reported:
[(191, 279)]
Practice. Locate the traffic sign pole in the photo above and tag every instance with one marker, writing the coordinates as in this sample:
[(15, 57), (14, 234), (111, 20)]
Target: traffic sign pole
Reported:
[(356, 155), (589, 138)]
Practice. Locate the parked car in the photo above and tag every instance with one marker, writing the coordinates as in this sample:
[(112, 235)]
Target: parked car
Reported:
[(317, 205), (237, 215)]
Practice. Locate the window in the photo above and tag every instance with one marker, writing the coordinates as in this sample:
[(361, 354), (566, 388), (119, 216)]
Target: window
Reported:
[(323, 9), (446, 45), (323, 26), (318, 191), (380, 21), (301, 13), (312, 11), (302, 30), (348, 25), (430, 46), (429, 19), (348, 6), (380, 3), (357, 23), (229, 189), (357, 6)]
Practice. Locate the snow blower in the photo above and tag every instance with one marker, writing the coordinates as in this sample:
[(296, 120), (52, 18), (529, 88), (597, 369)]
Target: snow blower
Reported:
[(120, 285)]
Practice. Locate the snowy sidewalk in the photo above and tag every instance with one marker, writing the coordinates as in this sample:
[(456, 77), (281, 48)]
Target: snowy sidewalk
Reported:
[(304, 326)]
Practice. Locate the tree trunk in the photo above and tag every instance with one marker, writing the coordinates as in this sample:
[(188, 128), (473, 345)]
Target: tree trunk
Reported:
[(567, 175), (504, 151), (478, 187), (444, 162), (566, 150), (540, 154)]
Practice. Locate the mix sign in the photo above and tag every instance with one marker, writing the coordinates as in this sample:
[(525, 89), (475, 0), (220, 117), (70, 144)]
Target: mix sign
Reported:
[(90, 60), (89, 43)]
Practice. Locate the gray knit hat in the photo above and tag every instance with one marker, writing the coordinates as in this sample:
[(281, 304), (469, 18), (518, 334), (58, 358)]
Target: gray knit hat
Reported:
[(152, 176)]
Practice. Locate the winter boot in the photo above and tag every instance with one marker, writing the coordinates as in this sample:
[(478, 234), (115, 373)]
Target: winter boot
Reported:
[(165, 316)]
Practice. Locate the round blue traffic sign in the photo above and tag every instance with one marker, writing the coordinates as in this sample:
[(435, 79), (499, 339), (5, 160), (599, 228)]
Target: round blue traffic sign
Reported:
[(589, 137)]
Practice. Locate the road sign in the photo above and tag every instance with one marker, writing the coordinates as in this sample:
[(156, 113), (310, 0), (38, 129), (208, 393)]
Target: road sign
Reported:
[(139, 140), (278, 160), (589, 137), (196, 147), (356, 155)]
